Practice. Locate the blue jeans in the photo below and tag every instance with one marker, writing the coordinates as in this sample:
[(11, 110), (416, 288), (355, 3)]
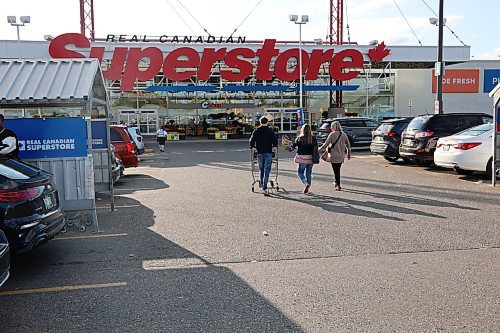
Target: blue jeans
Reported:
[(308, 168), (265, 162)]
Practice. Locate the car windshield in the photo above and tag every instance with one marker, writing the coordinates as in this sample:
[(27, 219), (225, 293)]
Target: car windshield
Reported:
[(384, 127), (477, 130), (325, 126), (417, 123)]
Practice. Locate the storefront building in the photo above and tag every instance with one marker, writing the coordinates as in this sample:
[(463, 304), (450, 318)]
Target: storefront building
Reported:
[(155, 81)]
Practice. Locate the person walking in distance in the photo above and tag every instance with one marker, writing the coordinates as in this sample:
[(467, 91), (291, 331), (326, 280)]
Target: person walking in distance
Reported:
[(338, 148), (9, 146), (306, 145), (264, 139), (161, 137), (204, 126)]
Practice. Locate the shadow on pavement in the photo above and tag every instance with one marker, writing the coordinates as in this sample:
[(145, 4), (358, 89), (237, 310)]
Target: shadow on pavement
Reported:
[(169, 288)]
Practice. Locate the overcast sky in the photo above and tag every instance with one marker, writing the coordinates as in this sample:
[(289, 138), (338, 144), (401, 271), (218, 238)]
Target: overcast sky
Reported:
[(475, 22)]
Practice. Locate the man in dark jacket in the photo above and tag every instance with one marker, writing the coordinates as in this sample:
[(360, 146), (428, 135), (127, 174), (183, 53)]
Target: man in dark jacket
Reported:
[(264, 139), (8, 141)]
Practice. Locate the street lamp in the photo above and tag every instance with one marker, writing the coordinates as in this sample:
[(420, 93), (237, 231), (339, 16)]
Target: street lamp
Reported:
[(13, 22), (303, 20), (439, 69)]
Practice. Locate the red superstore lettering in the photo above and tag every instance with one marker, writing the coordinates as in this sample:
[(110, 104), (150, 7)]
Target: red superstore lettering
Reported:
[(183, 63)]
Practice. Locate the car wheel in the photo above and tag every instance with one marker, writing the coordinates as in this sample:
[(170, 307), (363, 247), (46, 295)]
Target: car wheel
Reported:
[(489, 169), (463, 172), (390, 158)]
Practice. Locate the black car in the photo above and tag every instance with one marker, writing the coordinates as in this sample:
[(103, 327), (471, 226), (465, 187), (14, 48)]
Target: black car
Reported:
[(387, 138), (419, 139), (4, 258), (30, 213), (116, 166), (358, 129)]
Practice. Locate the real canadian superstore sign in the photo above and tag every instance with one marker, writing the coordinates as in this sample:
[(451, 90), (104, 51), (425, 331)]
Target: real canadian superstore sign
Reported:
[(124, 66)]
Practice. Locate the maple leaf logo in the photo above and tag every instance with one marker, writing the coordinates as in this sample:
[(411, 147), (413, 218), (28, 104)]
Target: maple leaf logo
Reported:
[(379, 52)]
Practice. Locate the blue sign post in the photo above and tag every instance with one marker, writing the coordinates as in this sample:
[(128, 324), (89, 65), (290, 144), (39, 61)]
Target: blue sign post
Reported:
[(99, 134), (50, 137), (491, 78)]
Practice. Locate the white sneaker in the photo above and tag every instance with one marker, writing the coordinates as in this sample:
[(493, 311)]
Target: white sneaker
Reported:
[(263, 191)]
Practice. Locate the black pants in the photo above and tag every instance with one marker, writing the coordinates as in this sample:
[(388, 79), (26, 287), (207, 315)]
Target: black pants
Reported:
[(336, 171)]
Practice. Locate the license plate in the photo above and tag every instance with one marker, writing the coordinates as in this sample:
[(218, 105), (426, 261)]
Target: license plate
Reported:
[(379, 138), (446, 147), (48, 201), (409, 142)]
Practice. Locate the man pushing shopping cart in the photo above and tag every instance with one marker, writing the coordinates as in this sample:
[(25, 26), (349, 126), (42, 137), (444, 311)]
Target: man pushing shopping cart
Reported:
[(265, 142)]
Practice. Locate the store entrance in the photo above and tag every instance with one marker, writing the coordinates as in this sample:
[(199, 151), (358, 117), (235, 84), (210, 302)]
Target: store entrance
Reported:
[(286, 119), (145, 119)]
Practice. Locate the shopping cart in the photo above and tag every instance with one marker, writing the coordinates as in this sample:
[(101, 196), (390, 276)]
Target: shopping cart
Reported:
[(273, 181)]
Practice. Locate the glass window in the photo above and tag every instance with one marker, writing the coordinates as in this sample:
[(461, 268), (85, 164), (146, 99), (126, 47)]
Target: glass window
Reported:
[(115, 135), (385, 127), (371, 123), (464, 122), (355, 123), (417, 123), (487, 120), (399, 127), (11, 173), (446, 123), (477, 130), (325, 125)]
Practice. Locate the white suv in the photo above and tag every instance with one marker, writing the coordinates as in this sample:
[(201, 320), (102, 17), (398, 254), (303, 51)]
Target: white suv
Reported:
[(137, 138)]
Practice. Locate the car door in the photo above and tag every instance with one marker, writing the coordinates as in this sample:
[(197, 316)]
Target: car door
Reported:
[(118, 143)]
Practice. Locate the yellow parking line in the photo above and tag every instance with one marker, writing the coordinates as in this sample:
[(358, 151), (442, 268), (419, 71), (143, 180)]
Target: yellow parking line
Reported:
[(61, 288), (91, 236), (124, 206)]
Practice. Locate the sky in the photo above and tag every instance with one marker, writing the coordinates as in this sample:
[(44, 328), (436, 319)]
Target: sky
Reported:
[(474, 22)]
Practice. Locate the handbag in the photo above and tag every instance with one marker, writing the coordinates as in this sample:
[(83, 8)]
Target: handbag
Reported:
[(315, 155), (303, 159), (326, 155)]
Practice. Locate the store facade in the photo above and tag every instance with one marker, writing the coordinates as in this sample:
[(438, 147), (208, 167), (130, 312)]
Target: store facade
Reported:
[(177, 82)]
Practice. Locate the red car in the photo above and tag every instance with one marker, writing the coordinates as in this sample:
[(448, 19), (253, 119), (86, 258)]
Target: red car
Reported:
[(124, 146)]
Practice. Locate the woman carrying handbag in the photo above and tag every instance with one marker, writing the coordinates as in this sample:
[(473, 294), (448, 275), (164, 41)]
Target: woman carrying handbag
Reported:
[(307, 155), (337, 147)]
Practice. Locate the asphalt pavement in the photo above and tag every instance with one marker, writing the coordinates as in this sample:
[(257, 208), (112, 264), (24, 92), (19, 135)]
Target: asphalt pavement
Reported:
[(190, 248)]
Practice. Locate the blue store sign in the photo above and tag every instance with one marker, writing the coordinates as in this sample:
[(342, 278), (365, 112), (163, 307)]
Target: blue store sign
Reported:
[(50, 137), (491, 79), (99, 134)]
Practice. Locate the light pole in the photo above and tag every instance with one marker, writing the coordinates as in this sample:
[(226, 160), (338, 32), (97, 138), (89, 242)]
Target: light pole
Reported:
[(439, 69), (303, 20), (13, 22)]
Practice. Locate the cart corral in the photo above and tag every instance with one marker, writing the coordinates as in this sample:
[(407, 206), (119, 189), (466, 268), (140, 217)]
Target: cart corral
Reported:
[(54, 102)]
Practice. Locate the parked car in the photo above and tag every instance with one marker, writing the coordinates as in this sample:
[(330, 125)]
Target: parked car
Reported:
[(387, 138), (136, 135), (358, 129), (4, 258), (419, 139), (30, 213), (467, 151), (124, 145), (116, 165)]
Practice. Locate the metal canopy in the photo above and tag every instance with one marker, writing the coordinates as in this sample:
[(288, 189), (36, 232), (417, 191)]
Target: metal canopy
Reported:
[(50, 82)]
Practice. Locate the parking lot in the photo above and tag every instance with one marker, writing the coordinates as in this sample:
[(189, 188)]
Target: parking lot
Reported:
[(190, 248)]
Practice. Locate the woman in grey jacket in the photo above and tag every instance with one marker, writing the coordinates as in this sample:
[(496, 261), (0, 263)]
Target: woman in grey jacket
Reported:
[(339, 148)]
